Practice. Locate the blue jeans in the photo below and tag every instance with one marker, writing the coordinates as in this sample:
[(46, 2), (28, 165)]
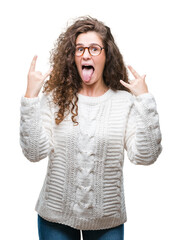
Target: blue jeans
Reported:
[(55, 231)]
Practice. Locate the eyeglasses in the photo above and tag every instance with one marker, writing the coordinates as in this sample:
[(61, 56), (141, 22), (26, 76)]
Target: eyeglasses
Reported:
[(93, 50)]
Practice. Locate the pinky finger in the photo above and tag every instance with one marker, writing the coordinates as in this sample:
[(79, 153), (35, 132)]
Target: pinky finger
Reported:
[(143, 77), (48, 73)]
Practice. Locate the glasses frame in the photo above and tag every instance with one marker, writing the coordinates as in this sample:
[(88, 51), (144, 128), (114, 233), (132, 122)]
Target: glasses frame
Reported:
[(89, 50)]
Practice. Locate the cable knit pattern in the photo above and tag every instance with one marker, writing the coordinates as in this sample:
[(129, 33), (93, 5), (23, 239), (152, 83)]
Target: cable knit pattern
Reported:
[(83, 187)]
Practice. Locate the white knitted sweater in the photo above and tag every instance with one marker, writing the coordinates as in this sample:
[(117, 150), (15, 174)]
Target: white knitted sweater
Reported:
[(83, 187)]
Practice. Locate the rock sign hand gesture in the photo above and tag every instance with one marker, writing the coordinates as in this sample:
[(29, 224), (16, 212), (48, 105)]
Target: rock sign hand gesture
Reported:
[(35, 80), (138, 85)]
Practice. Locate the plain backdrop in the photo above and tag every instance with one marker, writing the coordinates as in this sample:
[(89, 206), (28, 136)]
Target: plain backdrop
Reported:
[(148, 34)]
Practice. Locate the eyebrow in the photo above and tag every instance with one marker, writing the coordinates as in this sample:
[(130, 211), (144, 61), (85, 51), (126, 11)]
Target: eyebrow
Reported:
[(81, 44)]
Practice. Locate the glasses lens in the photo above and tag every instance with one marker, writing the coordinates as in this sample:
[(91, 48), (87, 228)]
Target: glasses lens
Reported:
[(79, 51), (95, 50)]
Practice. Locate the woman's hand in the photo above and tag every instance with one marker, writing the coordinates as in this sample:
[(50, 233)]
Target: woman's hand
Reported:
[(138, 85), (35, 80)]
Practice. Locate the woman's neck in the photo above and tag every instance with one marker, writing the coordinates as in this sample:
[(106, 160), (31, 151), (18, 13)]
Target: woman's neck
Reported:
[(93, 91)]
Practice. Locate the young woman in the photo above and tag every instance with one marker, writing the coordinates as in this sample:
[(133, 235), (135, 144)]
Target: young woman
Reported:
[(89, 113)]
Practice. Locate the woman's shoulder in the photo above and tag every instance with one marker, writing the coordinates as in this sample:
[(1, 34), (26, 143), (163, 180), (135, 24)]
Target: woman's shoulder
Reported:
[(45, 97), (122, 95), (47, 100)]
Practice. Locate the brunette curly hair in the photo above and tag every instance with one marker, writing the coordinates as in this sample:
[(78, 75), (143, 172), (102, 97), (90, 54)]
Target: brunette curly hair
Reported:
[(65, 82)]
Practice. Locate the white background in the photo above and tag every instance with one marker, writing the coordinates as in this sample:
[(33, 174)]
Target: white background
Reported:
[(148, 34)]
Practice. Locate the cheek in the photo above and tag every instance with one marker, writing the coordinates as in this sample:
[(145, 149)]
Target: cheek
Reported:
[(77, 62), (101, 63)]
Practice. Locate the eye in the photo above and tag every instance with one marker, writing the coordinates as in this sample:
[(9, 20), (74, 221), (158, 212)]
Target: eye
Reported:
[(79, 49), (94, 48)]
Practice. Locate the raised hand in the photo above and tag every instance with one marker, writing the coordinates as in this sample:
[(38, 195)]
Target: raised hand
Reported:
[(138, 85), (35, 80)]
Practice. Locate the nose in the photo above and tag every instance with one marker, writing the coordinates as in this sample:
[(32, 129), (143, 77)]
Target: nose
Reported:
[(86, 53)]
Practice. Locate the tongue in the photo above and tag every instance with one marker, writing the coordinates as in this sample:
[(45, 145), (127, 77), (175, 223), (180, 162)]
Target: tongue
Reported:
[(87, 74)]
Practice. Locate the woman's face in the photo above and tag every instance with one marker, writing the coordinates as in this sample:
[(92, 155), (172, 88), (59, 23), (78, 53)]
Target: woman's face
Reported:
[(90, 68)]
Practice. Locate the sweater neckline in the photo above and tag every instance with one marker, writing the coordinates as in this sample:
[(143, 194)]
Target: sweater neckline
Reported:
[(95, 100)]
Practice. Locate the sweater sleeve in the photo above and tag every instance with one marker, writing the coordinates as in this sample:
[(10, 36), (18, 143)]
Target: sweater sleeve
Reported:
[(143, 136), (36, 135)]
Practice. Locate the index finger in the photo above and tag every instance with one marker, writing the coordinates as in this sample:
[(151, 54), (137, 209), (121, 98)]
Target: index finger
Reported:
[(33, 63), (132, 70)]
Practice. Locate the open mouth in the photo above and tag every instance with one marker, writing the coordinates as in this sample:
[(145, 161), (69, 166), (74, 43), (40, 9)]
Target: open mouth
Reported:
[(87, 72), (87, 67)]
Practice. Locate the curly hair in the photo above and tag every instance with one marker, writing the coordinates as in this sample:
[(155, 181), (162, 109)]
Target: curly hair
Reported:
[(65, 82)]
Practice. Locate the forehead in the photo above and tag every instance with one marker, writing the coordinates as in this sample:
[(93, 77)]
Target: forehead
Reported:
[(88, 38)]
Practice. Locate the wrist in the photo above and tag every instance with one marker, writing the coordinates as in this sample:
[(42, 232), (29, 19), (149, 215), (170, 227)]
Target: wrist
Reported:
[(142, 93), (30, 95)]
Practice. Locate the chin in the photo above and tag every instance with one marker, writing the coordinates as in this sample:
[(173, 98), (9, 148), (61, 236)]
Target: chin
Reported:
[(87, 83)]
